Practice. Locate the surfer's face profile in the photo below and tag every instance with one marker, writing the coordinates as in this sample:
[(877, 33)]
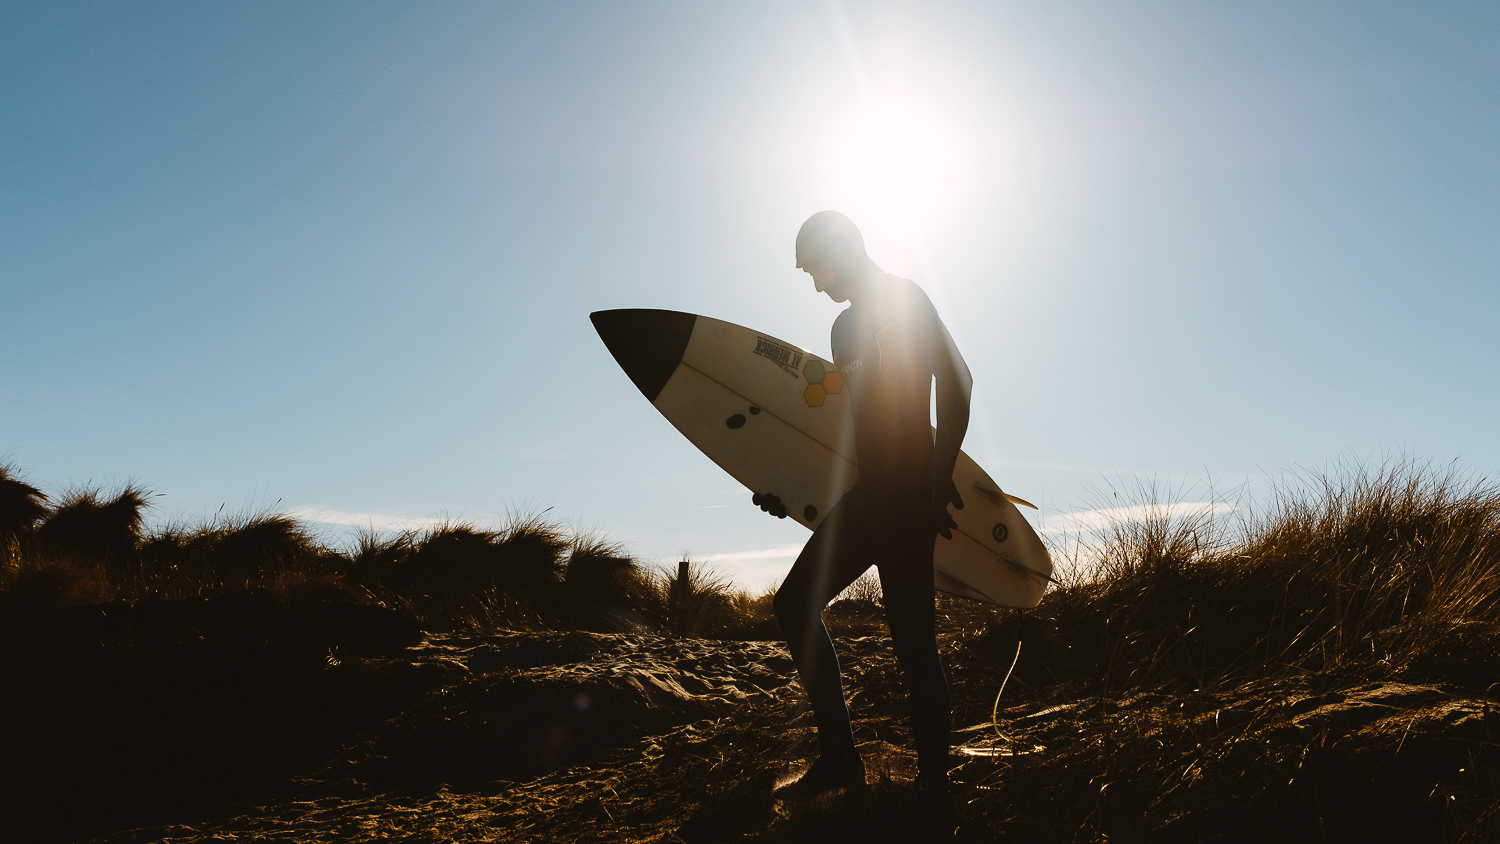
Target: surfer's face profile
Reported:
[(828, 279)]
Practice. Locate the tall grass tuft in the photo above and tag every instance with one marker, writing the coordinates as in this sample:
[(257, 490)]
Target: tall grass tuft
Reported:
[(1406, 558), (1168, 687), (21, 504), (699, 601), (64, 554), (532, 574), (459, 575), (261, 551), (85, 526), (608, 590), (1391, 571)]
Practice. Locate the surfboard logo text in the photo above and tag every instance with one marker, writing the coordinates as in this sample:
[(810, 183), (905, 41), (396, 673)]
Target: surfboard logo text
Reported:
[(784, 357)]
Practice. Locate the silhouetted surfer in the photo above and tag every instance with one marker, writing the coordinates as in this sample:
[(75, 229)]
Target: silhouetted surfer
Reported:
[(890, 345)]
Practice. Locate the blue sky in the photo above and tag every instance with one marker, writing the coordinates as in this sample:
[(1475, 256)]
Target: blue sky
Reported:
[(338, 257)]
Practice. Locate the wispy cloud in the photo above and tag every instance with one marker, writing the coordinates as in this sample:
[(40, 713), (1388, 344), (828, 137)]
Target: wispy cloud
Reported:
[(374, 521), (1089, 521), (758, 569), (778, 552)]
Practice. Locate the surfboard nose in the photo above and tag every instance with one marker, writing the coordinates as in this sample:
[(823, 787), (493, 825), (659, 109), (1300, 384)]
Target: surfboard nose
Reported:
[(647, 343)]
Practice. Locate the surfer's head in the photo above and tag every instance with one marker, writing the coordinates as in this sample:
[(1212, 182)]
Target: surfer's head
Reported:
[(832, 251)]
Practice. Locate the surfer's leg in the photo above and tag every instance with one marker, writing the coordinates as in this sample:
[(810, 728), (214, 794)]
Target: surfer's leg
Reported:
[(829, 562), (906, 584)]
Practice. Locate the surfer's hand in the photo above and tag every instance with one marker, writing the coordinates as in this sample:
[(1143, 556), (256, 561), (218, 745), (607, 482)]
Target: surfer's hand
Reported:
[(770, 504), (945, 492)]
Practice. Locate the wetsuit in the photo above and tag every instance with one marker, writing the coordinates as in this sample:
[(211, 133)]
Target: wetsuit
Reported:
[(888, 347)]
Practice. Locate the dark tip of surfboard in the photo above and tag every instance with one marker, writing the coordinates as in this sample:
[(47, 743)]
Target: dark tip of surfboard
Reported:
[(648, 344)]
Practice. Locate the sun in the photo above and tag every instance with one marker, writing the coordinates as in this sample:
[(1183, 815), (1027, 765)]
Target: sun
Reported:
[(897, 166)]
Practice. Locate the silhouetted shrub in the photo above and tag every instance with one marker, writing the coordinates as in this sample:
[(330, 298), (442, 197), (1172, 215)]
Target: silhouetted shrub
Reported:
[(459, 575), (263, 545), (700, 603), (83, 526), (609, 591), (526, 556), (1377, 570), (261, 551), (21, 504)]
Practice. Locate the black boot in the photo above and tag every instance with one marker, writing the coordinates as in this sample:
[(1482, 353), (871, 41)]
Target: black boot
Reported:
[(939, 784), (828, 773), (934, 805)]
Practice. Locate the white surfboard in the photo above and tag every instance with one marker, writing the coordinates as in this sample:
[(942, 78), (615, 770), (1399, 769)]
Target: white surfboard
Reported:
[(776, 417)]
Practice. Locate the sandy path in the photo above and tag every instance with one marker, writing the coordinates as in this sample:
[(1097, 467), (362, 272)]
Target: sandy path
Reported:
[(470, 761)]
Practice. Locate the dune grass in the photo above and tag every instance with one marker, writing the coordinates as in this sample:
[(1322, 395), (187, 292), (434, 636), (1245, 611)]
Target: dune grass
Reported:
[(1387, 571), (1181, 666), (531, 574), (1392, 569)]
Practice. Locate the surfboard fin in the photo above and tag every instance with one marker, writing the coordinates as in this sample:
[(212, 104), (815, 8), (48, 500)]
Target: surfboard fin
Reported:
[(995, 495), (1021, 501)]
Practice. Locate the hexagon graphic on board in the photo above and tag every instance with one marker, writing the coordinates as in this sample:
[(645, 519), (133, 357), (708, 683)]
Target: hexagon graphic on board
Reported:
[(815, 395), (813, 371), (833, 382)]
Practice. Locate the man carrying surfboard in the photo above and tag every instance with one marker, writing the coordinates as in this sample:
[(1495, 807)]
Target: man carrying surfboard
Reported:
[(890, 346)]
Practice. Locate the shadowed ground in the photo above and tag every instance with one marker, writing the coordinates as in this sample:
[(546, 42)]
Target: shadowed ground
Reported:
[(611, 737)]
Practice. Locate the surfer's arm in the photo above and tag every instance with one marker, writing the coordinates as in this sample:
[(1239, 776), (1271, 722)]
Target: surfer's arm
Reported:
[(954, 388)]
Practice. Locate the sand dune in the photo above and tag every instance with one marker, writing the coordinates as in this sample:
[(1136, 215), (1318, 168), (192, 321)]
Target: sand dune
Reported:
[(598, 737)]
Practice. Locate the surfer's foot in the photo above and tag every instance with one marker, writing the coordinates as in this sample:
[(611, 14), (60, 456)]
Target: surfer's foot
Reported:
[(939, 784), (826, 774), (934, 807)]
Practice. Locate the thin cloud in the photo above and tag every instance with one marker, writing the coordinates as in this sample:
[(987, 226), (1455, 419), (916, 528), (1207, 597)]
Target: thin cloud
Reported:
[(373, 521), (779, 552), (756, 570), (1090, 521)]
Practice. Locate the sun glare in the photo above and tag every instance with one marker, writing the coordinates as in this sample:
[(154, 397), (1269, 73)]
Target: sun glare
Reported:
[(897, 166)]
